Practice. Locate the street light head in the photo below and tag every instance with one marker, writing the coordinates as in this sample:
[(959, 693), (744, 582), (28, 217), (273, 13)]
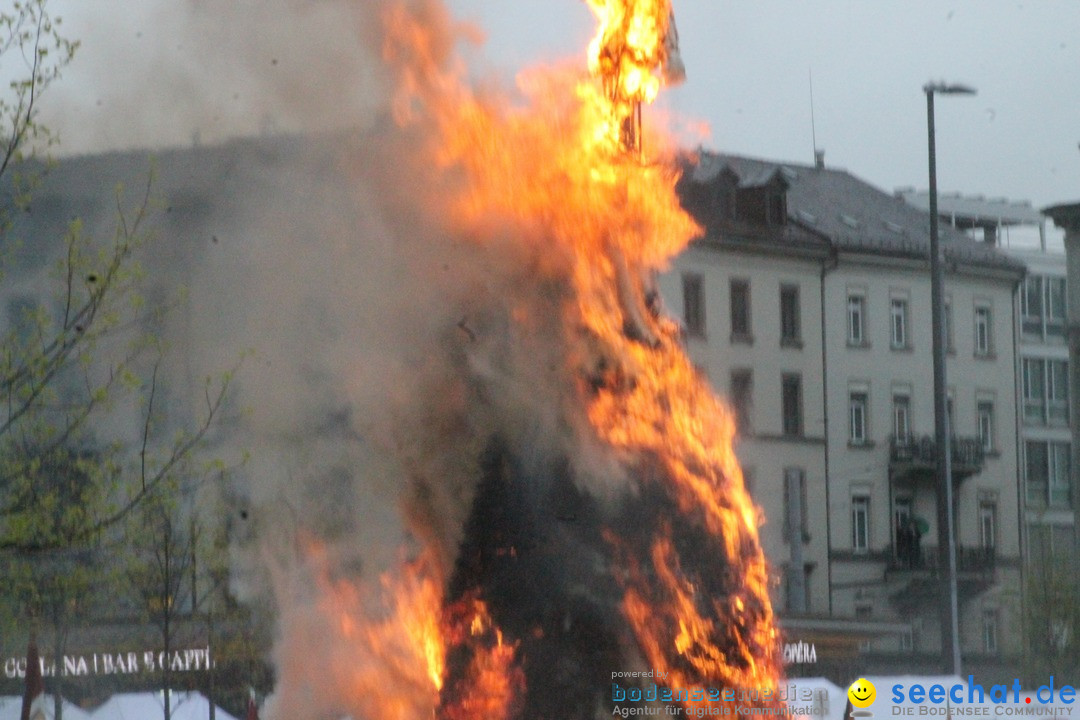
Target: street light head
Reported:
[(943, 88)]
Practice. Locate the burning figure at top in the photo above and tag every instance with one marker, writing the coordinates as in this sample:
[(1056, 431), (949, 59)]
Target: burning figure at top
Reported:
[(635, 48)]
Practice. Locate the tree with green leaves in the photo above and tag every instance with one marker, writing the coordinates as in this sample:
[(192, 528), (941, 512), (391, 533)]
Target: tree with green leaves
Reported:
[(163, 575), (1051, 607), (84, 445), (31, 36), (177, 574)]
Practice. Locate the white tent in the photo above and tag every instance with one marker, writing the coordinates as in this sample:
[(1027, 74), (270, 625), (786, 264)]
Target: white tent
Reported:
[(11, 706), (151, 706)]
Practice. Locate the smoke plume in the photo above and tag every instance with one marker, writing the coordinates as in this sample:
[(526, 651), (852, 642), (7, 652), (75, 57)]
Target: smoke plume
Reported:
[(483, 472)]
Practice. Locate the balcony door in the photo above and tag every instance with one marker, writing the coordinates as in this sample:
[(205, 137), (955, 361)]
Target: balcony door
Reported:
[(903, 529)]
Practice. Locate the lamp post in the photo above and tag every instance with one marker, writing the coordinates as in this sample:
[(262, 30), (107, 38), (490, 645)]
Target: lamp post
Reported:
[(950, 621)]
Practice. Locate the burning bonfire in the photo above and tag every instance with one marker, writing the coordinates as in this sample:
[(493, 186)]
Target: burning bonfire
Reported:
[(626, 545)]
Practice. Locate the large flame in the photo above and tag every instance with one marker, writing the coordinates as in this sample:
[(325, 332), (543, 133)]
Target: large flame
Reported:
[(403, 639), (395, 663), (557, 171), (553, 170)]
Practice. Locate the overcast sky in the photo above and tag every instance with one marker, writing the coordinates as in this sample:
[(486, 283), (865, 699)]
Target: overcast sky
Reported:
[(749, 64)]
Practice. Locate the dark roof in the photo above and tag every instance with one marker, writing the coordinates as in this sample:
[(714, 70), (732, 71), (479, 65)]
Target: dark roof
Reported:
[(853, 215), (728, 231), (1065, 215), (826, 208)]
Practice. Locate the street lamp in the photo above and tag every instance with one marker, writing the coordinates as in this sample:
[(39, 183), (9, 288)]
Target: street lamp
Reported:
[(950, 624)]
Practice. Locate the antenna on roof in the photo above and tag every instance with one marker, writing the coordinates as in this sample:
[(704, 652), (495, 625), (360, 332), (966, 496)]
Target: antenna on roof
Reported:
[(819, 155)]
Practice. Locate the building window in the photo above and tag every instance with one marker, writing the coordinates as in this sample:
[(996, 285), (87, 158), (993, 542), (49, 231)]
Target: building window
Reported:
[(902, 514), (742, 387), (988, 525), (790, 331), (694, 304), (907, 546), (856, 312), (857, 405), (907, 641), (1055, 308), (1059, 468), (724, 201), (791, 401), (948, 323), (777, 208), (902, 418), (986, 425), (1045, 391), (898, 315), (860, 523), (740, 311), (1047, 542), (983, 338), (1057, 392), (1034, 382), (1037, 471), (1031, 306), (990, 631), (1042, 307), (797, 575), (1046, 465), (795, 492)]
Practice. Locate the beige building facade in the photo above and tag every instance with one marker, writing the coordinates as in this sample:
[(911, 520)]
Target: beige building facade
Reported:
[(1067, 217), (849, 404)]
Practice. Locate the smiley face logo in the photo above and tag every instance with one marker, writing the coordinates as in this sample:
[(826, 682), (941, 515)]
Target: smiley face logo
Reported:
[(862, 693)]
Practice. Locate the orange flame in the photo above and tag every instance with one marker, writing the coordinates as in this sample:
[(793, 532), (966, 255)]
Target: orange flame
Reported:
[(686, 624), (401, 645), (391, 662), (629, 48), (491, 686), (555, 176)]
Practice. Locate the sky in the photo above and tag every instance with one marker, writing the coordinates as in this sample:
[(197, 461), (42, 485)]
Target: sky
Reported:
[(749, 67)]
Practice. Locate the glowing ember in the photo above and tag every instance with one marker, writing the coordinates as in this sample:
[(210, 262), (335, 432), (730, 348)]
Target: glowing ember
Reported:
[(489, 686)]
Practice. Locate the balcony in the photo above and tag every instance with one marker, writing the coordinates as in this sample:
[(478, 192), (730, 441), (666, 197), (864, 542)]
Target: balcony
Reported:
[(921, 573), (915, 458), (969, 560)]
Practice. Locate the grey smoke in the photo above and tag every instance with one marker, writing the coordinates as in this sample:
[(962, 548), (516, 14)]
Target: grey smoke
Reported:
[(162, 73), (382, 354)]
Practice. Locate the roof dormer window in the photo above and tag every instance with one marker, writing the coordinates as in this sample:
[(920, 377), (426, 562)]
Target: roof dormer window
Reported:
[(777, 208)]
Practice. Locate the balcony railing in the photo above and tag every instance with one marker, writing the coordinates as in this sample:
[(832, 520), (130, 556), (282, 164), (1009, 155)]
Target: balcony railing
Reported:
[(968, 559), (920, 453)]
